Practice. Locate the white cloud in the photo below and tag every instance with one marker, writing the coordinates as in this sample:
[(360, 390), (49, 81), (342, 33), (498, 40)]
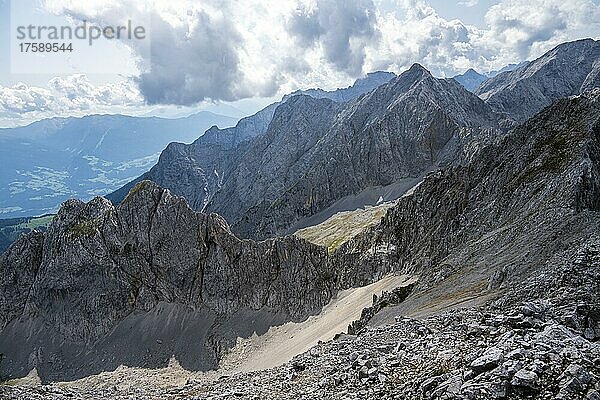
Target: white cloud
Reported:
[(518, 30), (233, 49), (343, 30), (65, 96), (416, 33)]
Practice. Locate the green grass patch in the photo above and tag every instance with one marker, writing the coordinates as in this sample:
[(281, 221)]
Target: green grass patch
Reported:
[(343, 226), (139, 186), (85, 228)]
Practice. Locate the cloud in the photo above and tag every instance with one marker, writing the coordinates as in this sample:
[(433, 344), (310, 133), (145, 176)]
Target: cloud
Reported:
[(342, 28), (193, 62), (220, 50), (196, 48), (65, 96), (23, 99), (518, 30), (513, 31), (469, 3), (414, 32), (234, 49)]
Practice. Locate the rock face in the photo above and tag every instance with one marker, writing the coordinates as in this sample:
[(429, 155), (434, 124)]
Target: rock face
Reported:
[(112, 282), (197, 171), (567, 70), (138, 283), (317, 151), (518, 208)]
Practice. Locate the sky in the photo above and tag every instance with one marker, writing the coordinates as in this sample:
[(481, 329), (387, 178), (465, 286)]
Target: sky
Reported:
[(236, 56)]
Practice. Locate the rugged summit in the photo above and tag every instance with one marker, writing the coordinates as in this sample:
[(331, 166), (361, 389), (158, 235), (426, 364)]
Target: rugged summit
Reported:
[(323, 151), (568, 69), (398, 131), (114, 283)]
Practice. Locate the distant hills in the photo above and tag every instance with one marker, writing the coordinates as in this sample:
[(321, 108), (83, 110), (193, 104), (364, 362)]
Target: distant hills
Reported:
[(472, 79)]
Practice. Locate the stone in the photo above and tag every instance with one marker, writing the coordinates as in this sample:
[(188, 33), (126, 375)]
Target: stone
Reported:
[(516, 354), (525, 379), (592, 394), (490, 359)]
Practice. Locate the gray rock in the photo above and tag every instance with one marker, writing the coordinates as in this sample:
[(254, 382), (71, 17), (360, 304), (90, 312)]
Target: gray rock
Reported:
[(490, 359), (568, 69), (592, 395), (525, 379)]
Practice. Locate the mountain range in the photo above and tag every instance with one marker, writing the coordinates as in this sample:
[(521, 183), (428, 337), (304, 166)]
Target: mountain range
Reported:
[(490, 233), (270, 184), (410, 125), (197, 170)]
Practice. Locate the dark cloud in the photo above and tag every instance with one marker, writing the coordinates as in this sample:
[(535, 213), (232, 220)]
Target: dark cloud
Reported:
[(342, 28), (188, 66)]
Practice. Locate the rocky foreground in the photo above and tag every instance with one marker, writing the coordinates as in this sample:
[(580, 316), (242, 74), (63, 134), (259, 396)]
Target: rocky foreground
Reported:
[(536, 350)]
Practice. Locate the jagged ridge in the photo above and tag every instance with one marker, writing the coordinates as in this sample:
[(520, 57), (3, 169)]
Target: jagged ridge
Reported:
[(104, 279), (568, 69)]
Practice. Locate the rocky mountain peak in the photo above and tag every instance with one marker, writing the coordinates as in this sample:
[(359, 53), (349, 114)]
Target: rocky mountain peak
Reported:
[(567, 70), (417, 68), (471, 79)]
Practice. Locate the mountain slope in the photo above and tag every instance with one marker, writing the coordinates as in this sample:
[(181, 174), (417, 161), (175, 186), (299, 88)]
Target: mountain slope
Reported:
[(110, 283), (400, 130), (197, 171), (50, 161), (568, 69)]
